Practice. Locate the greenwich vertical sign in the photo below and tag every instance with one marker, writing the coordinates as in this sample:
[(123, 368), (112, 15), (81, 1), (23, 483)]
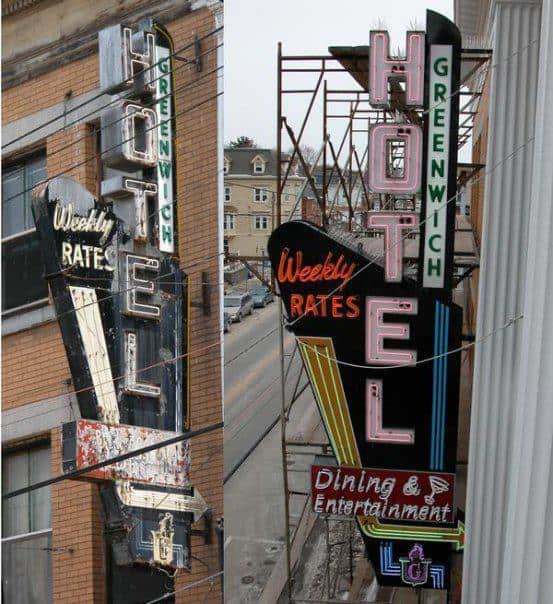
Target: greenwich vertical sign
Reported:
[(443, 50), (121, 301), (165, 159), (377, 343)]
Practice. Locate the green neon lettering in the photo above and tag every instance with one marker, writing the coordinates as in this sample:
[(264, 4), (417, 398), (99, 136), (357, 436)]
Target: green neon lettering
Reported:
[(165, 169), (439, 117), (439, 91), (438, 142), (437, 167), (434, 265), (164, 147), (441, 66), (431, 243), (166, 233), (436, 193)]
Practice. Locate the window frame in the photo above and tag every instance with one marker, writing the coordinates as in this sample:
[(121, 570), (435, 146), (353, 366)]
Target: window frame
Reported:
[(22, 160), (232, 221), (228, 193), (21, 163), (263, 219), (261, 193), (30, 445)]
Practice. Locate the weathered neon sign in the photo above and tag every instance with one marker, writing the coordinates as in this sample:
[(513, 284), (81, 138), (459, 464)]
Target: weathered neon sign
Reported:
[(124, 329)]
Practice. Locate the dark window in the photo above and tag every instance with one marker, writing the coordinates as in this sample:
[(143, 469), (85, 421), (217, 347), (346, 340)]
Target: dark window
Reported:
[(17, 182), (22, 270), (26, 528)]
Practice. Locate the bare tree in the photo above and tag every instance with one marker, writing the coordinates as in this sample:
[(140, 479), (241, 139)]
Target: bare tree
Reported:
[(308, 153)]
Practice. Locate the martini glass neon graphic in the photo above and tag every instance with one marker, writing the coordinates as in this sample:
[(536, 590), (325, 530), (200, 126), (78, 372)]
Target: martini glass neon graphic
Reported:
[(438, 485)]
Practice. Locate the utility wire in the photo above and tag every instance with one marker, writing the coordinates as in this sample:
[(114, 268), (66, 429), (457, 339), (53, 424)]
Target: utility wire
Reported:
[(409, 231), (507, 324), (508, 58), (102, 93), (121, 377), (356, 273), (118, 458), (151, 104), (399, 241), (122, 291), (96, 156)]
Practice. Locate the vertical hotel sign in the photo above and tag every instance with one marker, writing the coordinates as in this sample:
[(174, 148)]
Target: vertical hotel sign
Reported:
[(121, 301), (440, 183), (377, 345), (165, 199)]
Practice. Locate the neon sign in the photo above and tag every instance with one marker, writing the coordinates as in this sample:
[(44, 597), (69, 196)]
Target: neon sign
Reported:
[(376, 342), (121, 301)]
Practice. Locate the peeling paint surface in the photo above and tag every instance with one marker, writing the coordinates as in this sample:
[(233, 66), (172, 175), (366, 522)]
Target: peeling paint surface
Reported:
[(166, 467)]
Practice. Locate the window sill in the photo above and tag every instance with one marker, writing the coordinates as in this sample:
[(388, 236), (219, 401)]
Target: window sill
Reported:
[(27, 316), (24, 536)]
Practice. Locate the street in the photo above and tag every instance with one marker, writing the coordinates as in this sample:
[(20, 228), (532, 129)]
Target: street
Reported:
[(254, 495), (252, 380)]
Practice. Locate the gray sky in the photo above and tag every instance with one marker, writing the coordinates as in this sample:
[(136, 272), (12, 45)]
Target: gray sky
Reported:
[(252, 30)]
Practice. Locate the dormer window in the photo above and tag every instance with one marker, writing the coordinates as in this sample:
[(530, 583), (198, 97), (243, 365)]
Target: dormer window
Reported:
[(258, 165)]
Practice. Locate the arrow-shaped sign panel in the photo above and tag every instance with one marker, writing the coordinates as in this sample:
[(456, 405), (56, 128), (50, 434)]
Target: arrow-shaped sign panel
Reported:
[(378, 358)]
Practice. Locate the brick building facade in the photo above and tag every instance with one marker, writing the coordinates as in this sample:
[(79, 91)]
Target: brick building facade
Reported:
[(54, 547)]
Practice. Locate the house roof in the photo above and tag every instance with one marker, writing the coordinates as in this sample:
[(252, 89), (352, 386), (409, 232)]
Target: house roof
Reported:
[(241, 160)]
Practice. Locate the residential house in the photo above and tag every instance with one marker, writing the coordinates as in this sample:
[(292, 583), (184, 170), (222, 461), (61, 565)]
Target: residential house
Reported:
[(250, 199)]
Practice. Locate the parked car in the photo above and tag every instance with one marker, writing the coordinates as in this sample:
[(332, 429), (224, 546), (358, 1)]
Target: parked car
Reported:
[(238, 306), (261, 296), (227, 321)]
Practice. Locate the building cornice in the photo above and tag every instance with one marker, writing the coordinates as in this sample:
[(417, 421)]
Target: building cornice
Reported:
[(83, 42)]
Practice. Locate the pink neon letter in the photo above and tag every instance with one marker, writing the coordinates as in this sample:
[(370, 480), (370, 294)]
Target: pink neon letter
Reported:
[(377, 331), (374, 430), (393, 224), (381, 174), (409, 70)]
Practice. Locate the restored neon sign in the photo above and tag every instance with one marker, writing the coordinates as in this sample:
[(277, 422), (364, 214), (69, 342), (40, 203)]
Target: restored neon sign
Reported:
[(375, 340), (383, 494), (437, 176)]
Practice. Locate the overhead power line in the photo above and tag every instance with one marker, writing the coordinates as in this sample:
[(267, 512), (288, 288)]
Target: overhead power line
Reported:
[(151, 104), (96, 156), (102, 464), (409, 231), (355, 274), (102, 92)]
